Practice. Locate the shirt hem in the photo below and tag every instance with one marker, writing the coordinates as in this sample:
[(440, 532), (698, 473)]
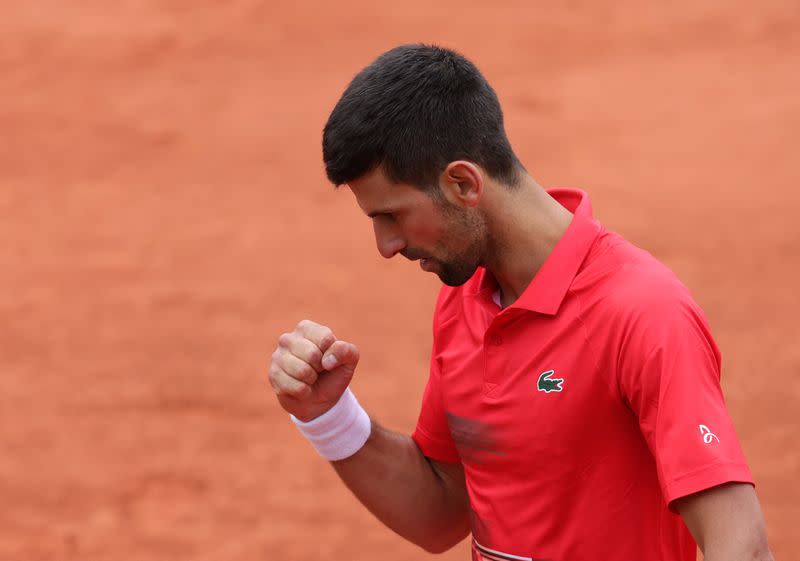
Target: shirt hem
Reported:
[(433, 448), (706, 478)]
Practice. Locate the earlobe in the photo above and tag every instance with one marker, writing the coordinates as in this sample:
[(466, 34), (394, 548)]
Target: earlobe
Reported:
[(463, 182)]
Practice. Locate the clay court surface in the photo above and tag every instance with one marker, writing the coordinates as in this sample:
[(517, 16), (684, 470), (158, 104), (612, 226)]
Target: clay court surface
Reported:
[(164, 217)]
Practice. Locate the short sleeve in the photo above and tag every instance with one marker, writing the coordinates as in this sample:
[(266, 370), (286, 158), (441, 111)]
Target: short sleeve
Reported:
[(432, 433), (670, 376)]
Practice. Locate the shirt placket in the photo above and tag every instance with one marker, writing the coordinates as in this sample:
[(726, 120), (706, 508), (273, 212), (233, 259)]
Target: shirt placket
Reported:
[(495, 353)]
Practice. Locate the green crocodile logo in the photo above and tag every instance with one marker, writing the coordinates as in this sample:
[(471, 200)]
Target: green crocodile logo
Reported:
[(547, 384)]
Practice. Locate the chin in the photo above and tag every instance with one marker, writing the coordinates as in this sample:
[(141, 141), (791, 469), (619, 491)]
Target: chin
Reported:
[(456, 276)]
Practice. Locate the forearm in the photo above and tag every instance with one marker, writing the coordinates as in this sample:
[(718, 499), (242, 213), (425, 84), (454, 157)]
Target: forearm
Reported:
[(722, 556), (727, 523), (746, 545), (728, 554), (395, 481), (424, 501)]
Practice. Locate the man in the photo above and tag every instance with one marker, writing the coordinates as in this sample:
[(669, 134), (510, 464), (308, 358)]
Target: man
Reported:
[(573, 409)]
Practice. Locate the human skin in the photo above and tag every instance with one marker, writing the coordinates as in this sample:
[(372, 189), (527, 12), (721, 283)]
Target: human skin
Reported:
[(422, 500), (474, 222)]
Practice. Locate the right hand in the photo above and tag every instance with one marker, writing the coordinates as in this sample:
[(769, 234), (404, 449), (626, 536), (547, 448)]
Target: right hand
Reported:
[(310, 369)]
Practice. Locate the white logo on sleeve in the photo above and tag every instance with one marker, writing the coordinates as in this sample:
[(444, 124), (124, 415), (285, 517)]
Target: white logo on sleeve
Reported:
[(707, 435)]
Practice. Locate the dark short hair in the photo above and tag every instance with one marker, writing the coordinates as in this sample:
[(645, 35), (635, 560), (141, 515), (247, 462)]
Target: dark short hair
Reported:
[(414, 110)]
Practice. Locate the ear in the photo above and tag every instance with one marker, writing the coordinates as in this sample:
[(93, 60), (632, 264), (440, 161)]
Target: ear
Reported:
[(462, 183)]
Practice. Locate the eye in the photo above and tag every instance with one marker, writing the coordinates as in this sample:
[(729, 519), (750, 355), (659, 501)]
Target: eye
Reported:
[(387, 216)]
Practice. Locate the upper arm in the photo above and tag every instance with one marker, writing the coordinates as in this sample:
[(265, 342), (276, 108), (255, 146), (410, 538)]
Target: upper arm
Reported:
[(452, 479), (726, 522), (669, 375), (452, 476)]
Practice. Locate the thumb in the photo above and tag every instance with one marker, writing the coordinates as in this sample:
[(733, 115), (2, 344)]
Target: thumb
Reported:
[(340, 353)]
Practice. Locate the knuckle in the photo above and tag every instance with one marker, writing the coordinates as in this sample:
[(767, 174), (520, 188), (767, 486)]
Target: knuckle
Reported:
[(314, 356), (277, 362), (309, 375), (327, 338), (299, 391), (303, 373), (285, 340), (274, 379), (303, 391)]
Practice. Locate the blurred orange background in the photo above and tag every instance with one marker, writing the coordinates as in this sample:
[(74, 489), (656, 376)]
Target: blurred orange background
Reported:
[(164, 216)]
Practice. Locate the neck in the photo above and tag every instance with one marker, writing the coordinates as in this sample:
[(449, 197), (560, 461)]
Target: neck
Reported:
[(524, 226)]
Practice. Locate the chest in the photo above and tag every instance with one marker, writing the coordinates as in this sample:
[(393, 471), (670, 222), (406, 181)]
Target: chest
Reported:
[(527, 394)]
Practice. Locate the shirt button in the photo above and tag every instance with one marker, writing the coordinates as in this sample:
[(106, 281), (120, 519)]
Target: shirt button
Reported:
[(497, 340)]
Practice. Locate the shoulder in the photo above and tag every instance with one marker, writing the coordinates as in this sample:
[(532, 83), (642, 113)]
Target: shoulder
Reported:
[(629, 284), (638, 305)]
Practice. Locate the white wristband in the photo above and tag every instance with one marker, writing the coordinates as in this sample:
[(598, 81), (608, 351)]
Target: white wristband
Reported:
[(341, 431)]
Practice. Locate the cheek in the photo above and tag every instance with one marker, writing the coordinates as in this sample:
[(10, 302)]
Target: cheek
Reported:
[(420, 230)]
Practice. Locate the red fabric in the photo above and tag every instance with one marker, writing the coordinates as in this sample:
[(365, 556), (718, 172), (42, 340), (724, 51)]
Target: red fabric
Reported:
[(583, 462)]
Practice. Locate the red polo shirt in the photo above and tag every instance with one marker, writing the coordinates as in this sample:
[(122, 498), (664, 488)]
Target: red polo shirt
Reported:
[(581, 411)]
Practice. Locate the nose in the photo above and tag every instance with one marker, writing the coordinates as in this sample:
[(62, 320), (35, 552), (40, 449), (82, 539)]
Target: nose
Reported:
[(388, 240)]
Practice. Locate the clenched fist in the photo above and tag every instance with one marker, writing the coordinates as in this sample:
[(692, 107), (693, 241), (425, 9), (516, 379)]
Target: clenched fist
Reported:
[(310, 369)]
